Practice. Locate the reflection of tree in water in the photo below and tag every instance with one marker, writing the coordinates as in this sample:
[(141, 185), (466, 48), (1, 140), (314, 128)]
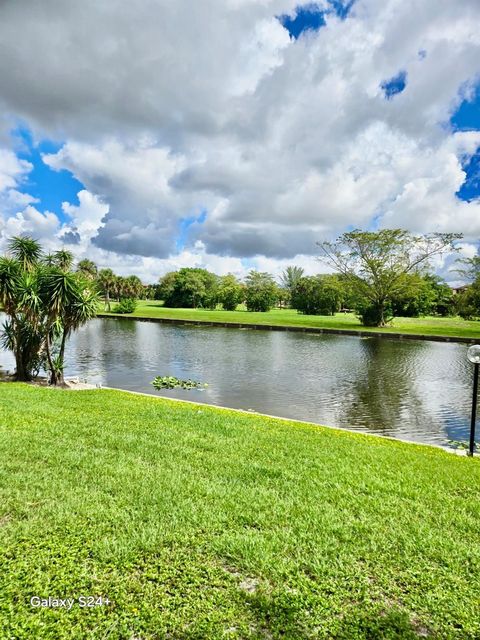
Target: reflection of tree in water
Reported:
[(384, 398)]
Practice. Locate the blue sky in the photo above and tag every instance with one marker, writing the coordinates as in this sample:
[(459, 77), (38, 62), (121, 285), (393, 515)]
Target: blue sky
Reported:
[(49, 187)]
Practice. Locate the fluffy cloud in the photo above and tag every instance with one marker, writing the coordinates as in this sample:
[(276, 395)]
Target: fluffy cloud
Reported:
[(171, 108)]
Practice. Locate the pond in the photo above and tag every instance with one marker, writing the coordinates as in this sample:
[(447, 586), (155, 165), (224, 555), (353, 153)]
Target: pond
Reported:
[(414, 390)]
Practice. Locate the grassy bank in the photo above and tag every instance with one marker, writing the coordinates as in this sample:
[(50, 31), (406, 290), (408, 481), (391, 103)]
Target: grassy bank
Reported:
[(204, 523), (452, 327)]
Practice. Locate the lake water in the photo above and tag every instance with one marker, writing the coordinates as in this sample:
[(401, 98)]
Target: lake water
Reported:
[(414, 390)]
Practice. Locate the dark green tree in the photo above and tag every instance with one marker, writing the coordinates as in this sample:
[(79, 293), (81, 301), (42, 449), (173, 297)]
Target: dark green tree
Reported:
[(468, 301), (260, 291), (318, 295), (190, 288)]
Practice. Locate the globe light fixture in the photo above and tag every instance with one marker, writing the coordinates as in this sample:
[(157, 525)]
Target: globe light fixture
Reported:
[(473, 354)]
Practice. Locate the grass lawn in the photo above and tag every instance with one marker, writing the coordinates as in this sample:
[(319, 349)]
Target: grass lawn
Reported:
[(453, 327), (202, 523)]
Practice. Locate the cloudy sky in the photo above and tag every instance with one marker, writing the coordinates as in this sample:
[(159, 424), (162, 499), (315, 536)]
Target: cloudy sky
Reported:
[(234, 134)]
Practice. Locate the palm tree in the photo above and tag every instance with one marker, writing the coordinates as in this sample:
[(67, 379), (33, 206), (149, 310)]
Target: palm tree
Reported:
[(21, 303), (106, 282), (63, 259), (69, 301), (44, 304), (88, 268), (26, 250), (290, 277)]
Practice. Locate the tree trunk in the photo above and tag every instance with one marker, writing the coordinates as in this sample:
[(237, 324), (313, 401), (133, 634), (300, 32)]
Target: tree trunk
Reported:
[(61, 355), (21, 374), (381, 314), (107, 300), (53, 377)]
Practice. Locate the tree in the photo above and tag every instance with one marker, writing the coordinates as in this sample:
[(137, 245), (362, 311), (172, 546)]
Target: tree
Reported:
[(472, 267), (106, 282), (468, 301), (377, 263), (230, 292), (88, 269), (166, 285), (26, 251), (21, 304), (190, 288), (290, 278), (318, 295), (69, 301), (426, 295), (43, 304), (63, 259), (260, 291)]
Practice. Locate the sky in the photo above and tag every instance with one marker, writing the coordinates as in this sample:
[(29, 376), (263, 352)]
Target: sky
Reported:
[(236, 134)]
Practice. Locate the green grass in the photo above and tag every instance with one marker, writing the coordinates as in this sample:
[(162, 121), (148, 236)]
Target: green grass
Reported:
[(452, 327), (202, 523)]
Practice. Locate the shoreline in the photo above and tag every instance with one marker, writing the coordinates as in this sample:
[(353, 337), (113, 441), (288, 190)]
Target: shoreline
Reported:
[(361, 333), (458, 452)]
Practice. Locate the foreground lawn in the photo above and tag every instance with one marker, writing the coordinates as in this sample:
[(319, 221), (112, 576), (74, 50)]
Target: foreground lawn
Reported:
[(453, 327), (203, 523)]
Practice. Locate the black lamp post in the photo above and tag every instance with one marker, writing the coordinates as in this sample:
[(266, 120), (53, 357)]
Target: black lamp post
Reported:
[(473, 354)]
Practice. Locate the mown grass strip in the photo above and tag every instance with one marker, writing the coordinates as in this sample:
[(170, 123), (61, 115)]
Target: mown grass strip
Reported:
[(428, 326), (206, 523)]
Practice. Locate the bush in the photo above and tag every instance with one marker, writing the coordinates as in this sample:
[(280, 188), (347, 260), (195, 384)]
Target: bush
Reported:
[(468, 302), (126, 305), (371, 315), (261, 291), (230, 293), (317, 295), (189, 288)]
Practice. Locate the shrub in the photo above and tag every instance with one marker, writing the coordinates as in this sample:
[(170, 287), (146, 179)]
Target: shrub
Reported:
[(189, 288), (260, 292), (230, 292), (371, 315), (317, 295), (126, 305), (468, 302)]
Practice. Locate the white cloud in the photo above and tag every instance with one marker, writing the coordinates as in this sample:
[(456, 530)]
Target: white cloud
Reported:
[(168, 108)]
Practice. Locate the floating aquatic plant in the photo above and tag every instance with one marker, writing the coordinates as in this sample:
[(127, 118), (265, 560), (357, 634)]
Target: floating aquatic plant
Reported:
[(170, 382)]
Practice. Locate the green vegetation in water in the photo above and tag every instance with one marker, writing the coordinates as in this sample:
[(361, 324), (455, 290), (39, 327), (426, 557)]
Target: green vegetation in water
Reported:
[(170, 382), (197, 522)]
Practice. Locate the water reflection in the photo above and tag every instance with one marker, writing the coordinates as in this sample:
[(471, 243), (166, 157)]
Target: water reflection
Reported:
[(415, 390)]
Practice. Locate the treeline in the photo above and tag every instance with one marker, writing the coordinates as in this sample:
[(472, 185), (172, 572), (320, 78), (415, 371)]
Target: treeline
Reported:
[(378, 275), (322, 294)]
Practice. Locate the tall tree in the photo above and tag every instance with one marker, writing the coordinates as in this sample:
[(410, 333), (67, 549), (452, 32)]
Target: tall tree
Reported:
[(230, 292), (470, 269), (69, 301), (106, 282), (26, 250), (376, 263), (63, 259), (260, 291), (290, 277), (88, 268)]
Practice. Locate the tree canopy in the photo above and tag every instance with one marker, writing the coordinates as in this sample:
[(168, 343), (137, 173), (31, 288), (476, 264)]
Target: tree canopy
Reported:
[(377, 264), (44, 302)]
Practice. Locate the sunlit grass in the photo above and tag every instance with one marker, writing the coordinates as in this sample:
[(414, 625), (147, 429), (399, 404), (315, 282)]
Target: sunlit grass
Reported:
[(204, 523), (450, 327)]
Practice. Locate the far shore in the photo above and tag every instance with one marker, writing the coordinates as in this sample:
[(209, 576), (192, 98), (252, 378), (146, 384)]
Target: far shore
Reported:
[(426, 328)]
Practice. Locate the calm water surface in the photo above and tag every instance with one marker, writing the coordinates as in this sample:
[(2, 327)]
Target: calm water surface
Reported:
[(415, 390)]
